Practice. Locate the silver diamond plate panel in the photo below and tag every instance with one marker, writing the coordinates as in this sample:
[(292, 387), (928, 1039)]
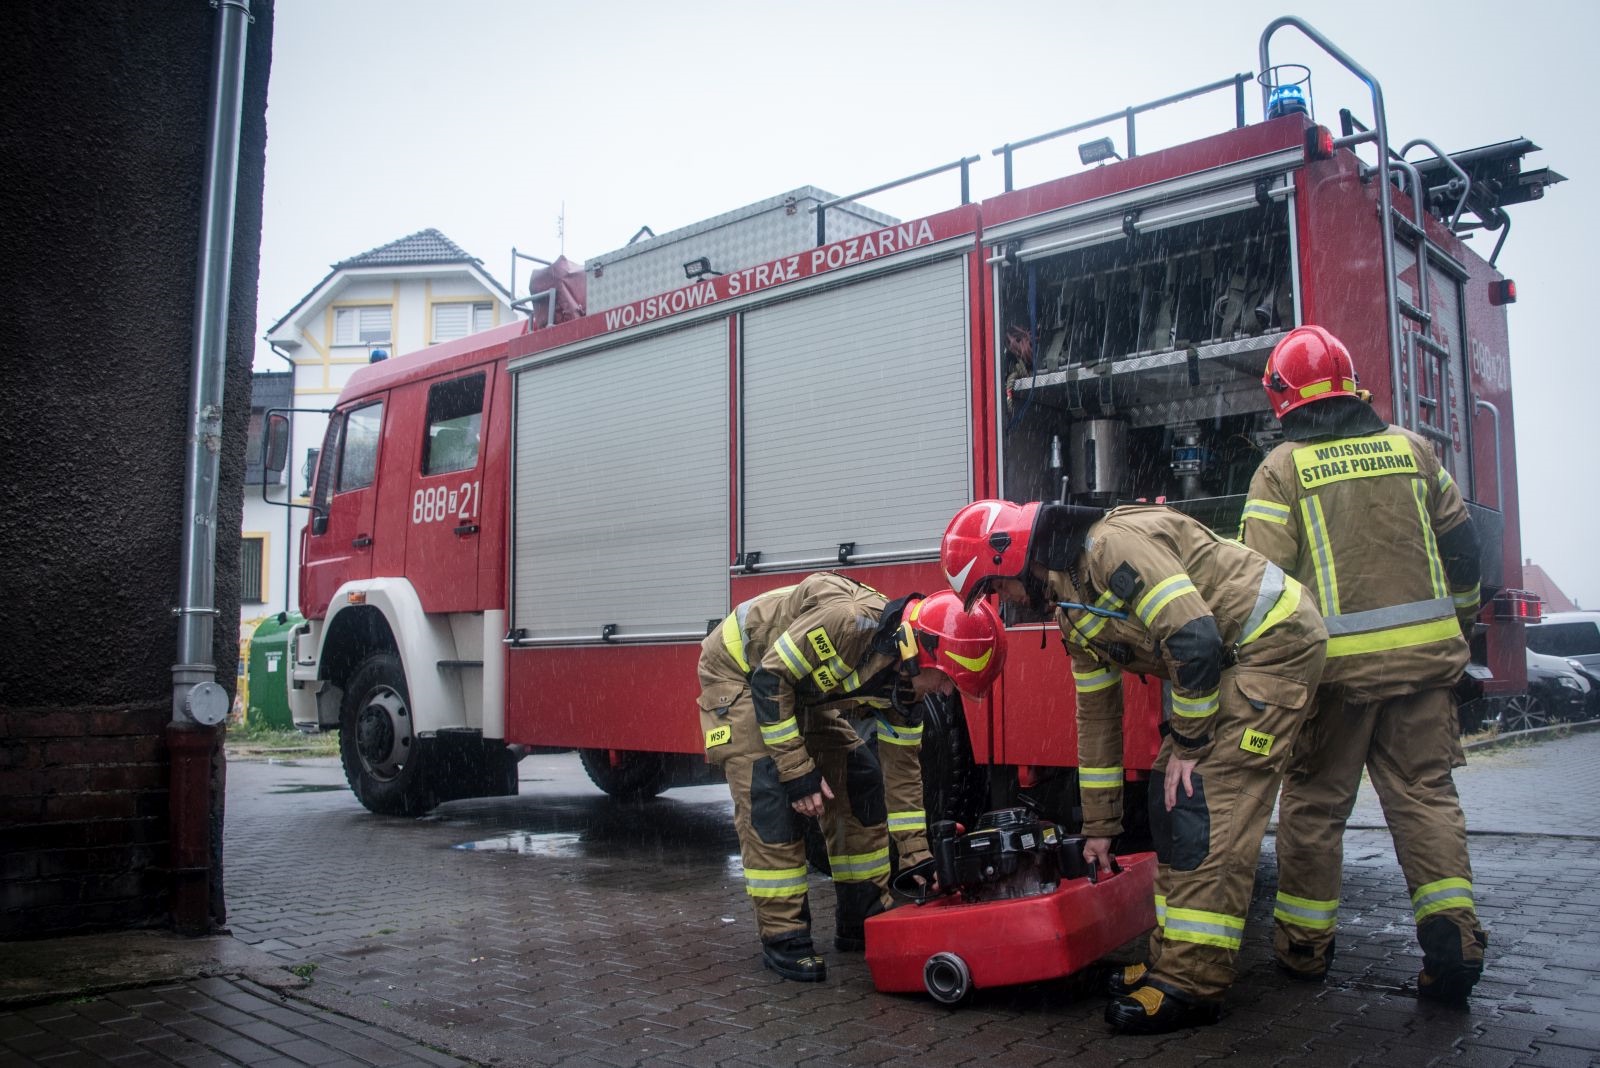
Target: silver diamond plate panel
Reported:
[(767, 230)]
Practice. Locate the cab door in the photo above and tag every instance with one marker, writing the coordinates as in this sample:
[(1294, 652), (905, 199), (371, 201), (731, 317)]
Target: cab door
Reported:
[(446, 505), (339, 536)]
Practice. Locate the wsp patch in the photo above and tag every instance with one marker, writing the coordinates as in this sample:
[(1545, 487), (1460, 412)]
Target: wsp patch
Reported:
[(1257, 742)]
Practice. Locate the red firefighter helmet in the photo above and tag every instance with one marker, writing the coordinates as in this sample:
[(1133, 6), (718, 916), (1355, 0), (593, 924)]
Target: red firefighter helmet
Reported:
[(969, 645), (1308, 365), (986, 540)]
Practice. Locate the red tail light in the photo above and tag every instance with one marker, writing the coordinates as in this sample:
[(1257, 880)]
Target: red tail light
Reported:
[(1503, 292), (1319, 143), (1524, 606)]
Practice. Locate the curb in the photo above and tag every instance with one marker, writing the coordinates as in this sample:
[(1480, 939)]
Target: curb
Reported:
[(1537, 734)]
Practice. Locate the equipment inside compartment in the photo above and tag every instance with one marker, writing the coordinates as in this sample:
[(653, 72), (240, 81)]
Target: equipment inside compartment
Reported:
[(1131, 367)]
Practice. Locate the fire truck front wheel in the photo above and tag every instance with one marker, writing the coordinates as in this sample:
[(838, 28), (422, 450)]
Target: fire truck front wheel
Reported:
[(384, 762)]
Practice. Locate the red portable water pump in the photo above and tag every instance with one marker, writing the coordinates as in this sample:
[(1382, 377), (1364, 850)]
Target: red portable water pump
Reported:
[(1011, 902)]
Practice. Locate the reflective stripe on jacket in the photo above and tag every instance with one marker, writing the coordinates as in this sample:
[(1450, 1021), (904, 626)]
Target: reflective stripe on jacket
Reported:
[(1359, 520)]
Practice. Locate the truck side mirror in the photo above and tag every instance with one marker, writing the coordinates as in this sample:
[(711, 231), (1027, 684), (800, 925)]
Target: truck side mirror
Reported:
[(277, 447)]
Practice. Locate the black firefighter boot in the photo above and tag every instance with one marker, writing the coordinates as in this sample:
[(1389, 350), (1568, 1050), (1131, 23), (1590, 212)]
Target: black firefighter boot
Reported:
[(1301, 963), (1126, 978), (1155, 1009), (1447, 976), (854, 903), (792, 956)]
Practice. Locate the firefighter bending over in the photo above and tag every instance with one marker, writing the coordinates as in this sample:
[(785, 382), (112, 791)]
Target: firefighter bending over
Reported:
[(1147, 589), (1364, 514), (774, 679)]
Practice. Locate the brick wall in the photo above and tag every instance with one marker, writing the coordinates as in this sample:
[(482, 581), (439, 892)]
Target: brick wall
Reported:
[(102, 159)]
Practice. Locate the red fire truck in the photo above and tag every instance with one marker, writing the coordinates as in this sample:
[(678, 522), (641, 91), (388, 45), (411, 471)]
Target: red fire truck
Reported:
[(518, 539)]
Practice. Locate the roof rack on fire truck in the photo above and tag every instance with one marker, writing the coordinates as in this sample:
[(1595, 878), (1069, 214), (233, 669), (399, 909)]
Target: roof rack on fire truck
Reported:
[(964, 163)]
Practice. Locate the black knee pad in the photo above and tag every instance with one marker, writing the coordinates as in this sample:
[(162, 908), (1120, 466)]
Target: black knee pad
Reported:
[(863, 777), (1160, 821), (1191, 826), (770, 815)]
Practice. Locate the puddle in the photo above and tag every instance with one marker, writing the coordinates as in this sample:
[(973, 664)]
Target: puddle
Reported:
[(306, 788), (530, 844)]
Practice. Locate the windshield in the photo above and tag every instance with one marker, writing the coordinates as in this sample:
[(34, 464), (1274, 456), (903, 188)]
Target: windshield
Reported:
[(1565, 639)]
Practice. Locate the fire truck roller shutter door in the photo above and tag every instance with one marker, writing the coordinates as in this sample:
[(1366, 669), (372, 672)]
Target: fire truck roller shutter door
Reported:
[(839, 350), (620, 455)]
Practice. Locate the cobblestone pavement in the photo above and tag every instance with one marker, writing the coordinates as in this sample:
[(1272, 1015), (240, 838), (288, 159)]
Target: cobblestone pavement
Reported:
[(562, 928)]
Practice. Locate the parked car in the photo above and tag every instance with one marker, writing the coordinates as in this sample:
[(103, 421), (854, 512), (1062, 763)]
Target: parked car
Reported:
[(1575, 637), (1556, 694)]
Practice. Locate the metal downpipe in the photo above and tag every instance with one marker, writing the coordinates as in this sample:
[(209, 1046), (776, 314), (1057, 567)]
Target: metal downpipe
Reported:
[(194, 687)]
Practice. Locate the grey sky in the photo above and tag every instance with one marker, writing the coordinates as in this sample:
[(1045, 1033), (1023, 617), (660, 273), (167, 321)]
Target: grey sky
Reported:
[(481, 118)]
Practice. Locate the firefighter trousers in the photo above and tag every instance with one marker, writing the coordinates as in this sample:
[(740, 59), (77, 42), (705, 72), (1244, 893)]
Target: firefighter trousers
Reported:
[(1208, 844), (1408, 744), (772, 835)]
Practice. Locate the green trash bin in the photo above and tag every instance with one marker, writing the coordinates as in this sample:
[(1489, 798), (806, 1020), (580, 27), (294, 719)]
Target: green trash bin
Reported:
[(267, 707)]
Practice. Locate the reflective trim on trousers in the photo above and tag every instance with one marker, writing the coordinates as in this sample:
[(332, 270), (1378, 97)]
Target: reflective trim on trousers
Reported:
[(775, 882), (1303, 912), (1204, 928), (1099, 778), (1441, 895), (1094, 681), (907, 821), (1161, 910), (898, 735), (859, 867)]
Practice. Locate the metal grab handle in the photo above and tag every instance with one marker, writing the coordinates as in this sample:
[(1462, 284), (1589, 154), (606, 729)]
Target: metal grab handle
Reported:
[(467, 528), (361, 542), (1499, 468)]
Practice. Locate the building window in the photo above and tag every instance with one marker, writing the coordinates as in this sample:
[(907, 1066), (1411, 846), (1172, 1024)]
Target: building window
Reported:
[(460, 319), (252, 569), (361, 326), (455, 413)]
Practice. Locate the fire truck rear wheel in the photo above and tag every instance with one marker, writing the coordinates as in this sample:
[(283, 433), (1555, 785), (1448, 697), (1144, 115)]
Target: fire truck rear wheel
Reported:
[(384, 762), (625, 774)]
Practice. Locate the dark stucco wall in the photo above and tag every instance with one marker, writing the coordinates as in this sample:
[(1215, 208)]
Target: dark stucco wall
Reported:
[(102, 161)]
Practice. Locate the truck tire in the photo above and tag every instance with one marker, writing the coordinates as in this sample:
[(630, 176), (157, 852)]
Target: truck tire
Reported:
[(384, 762), (625, 774)]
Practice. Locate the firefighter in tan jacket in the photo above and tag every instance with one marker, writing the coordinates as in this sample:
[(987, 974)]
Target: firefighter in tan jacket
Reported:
[(1364, 515), (1147, 590), (776, 680)]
